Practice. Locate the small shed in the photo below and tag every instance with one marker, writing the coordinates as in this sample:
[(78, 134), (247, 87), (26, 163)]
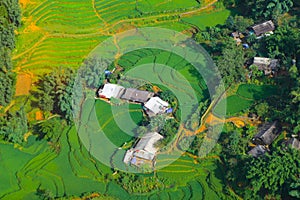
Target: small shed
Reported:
[(135, 95), (237, 36), (128, 156), (156, 106), (263, 28), (293, 142), (267, 134), (111, 90), (257, 151)]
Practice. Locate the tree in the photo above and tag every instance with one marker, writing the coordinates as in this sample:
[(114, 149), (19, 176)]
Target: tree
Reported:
[(50, 129), (283, 44), (55, 92), (274, 172), (92, 72), (277, 7), (238, 23), (44, 194), (255, 73), (157, 123), (7, 88), (294, 189), (9, 20), (193, 121), (167, 95), (262, 9), (262, 109), (231, 64), (14, 126)]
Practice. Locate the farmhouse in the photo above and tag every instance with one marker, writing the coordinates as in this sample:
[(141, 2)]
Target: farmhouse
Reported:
[(263, 28), (144, 151), (111, 90), (257, 151), (135, 95), (156, 106), (267, 65), (295, 143), (266, 135)]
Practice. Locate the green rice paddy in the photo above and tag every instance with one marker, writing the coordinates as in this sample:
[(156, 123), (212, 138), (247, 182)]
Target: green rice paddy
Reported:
[(245, 96), (208, 19), (62, 34)]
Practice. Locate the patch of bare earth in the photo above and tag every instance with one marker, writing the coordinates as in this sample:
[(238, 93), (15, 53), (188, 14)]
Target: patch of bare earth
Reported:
[(23, 84)]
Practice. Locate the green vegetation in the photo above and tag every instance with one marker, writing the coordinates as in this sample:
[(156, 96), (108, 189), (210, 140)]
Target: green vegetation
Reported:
[(208, 19), (54, 93), (109, 126), (159, 6), (43, 157), (181, 67), (256, 92), (234, 105), (245, 96), (265, 9), (10, 19)]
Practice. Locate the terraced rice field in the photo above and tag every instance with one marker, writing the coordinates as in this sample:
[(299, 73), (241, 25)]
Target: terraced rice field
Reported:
[(61, 33), (208, 19), (64, 32), (245, 96), (180, 67), (112, 128), (74, 172)]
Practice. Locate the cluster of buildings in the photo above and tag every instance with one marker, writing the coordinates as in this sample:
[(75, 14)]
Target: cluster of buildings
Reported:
[(266, 136), (267, 65), (269, 131), (259, 30), (153, 105), (144, 151)]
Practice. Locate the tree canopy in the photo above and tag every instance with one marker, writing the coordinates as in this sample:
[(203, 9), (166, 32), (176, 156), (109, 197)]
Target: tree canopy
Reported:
[(55, 92), (10, 19)]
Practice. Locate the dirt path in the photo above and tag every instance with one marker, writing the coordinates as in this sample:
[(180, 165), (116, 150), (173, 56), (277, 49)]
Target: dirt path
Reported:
[(213, 120), (97, 13), (31, 48), (193, 12)]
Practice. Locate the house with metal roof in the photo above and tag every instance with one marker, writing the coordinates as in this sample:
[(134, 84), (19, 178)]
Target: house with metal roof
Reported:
[(263, 28), (267, 65), (293, 142), (155, 106), (135, 95), (144, 151), (110, 90), (267, 134), (257, 151)]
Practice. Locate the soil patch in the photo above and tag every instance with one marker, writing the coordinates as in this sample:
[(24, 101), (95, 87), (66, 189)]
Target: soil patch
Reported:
[(23, 85)]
